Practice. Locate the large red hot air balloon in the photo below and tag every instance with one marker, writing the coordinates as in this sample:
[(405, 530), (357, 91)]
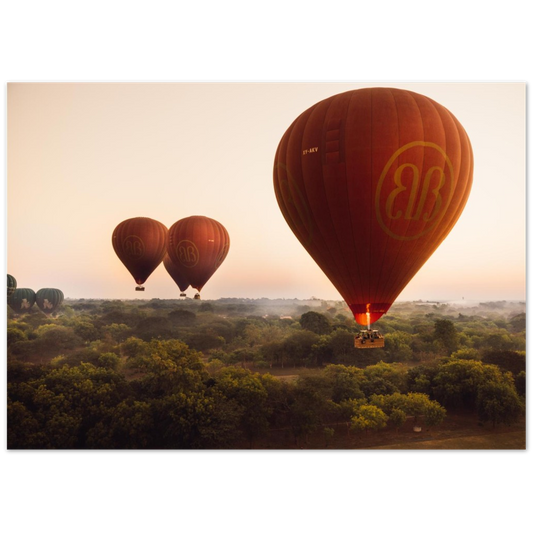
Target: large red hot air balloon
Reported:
[(371, 182), (140, 244), (176, 274), (197, 246)]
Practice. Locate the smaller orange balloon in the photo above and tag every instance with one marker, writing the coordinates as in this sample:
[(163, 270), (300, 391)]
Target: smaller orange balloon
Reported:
[(140, 244), (197, 246), (175, 274)]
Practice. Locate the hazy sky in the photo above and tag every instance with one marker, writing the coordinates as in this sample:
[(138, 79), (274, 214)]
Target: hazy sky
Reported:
[(82, 157)]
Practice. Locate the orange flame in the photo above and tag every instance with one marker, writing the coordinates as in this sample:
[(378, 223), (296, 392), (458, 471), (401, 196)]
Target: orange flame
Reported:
[(368, 315)]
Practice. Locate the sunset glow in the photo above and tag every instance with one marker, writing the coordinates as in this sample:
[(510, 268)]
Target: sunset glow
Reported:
[(84, 157)]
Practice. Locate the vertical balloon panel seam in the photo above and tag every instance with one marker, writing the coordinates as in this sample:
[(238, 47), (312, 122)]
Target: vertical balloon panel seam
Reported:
[(303, 191), (379, 285), (356, 285), (284, 148), (341, 270), (189, 230)]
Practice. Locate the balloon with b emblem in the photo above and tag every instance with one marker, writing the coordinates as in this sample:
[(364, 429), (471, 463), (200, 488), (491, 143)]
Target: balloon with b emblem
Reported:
[(197, 246), (371, 182), (140, 243)]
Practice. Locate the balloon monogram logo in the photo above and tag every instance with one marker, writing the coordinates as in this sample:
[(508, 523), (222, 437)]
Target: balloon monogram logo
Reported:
[(187, 253), (414, 190), (133, 246)]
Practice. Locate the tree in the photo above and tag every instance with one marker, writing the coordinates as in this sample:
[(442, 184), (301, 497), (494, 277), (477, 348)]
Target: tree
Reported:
[(384, 378), (86, 330), (466, 353), (308, 404), (315, 322), (498, 341), (193, 420), (298, 347), (153, 327), (15, 335), (507, 360), (520, 383), (169, 367), (369, 417), (65, 403), (129, 425), (518, 323), (397, 346), (457, 381), (498, 403), (344, 382), (250, 396), (413, 403), (117, 332), (204, 342), (397, 418), (182, 317), (340, 342), (445, 335)]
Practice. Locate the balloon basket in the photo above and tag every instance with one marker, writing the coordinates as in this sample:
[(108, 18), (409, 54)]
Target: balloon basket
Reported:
[(197, 296), (369, 339), (139, 288)]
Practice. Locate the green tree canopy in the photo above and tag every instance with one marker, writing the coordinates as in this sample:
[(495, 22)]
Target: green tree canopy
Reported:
[(316, 322)]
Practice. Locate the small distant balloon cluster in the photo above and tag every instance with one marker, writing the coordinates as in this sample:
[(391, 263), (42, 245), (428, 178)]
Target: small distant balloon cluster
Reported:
[(22, 300), (191, 250)]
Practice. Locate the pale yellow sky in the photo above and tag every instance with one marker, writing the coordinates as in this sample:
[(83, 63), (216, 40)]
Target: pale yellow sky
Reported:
[(83, 157)]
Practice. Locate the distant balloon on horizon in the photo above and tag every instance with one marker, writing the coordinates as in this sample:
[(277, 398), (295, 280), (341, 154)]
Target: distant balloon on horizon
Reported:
[(11, 285), (176, 274), (22, 300), (48, 300), (140, 243), (197, 246)]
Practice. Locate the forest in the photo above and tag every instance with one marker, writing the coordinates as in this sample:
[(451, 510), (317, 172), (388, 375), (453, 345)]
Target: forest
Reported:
[(263, 374)]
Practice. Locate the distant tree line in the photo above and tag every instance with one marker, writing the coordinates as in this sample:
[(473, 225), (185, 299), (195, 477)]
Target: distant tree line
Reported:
[(119, 375)]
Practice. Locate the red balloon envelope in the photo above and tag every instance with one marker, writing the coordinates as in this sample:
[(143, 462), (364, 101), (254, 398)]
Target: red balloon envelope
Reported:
[(175, 274), (371, 182), (140, 244), (197, 246)]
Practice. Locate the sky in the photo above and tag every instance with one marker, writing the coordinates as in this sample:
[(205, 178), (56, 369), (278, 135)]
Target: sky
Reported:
[(82, 157)]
